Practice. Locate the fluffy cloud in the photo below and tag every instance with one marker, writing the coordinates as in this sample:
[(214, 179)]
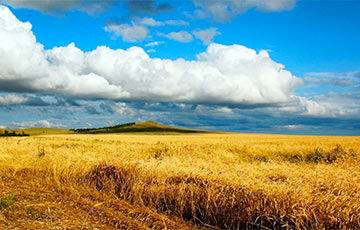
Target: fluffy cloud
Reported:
[(60, 7), (223, 10), (147, 6), (207, 35), (330, 105), (122, 109), (38, 124), (155, 43), (138, 29), (292, 127), (221, 75), (129, 33), (224, 110), (338, 79), (218, 9), (12, 99), (180, 36), (152, 22), (176, 23)]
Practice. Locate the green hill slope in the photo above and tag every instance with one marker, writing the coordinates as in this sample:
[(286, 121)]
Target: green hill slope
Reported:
[(146, 127)]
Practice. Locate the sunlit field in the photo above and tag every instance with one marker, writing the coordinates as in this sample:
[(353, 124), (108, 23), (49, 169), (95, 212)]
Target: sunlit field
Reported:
[(184, 181)]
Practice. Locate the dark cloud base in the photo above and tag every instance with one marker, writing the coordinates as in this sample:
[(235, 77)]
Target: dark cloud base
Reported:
[(79, 113)]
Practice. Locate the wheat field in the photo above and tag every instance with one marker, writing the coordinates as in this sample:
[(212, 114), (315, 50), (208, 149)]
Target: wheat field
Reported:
[(187, 181)]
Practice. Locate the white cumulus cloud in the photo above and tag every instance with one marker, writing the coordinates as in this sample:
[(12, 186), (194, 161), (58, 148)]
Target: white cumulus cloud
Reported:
[(153, 22), (12, 99), (328, 105), (222, 74), (224, 110), (123, 110), (150, 22), (180, 36), (207, 35), (129, 33), (292, 127), (154, 43), (60, 6), (222, 10), (173, 22), (37, 124)]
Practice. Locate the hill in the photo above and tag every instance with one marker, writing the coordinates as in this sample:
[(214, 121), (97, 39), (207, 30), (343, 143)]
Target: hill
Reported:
[(138, 127), (146, 127), (44, 131)]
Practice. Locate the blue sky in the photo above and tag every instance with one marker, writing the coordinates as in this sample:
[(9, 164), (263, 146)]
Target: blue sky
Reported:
[(280, 66)]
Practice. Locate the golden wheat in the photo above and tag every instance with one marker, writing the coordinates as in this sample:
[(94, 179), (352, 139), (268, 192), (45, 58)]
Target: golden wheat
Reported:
[(220, 180)]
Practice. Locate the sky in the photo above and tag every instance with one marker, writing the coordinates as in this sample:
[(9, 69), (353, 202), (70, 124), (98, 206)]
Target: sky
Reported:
[(267, 66)]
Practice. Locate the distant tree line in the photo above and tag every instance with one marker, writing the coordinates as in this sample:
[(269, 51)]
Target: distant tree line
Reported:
[(8, 133), (102, 128)]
